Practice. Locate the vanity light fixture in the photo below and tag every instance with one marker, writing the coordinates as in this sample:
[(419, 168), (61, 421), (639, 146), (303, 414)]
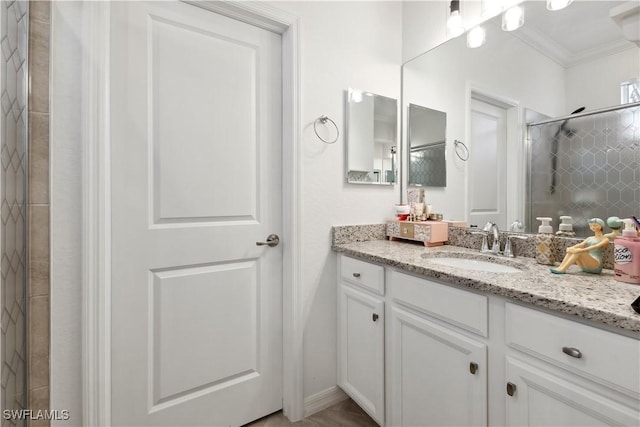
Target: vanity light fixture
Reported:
[(513, 18), (476, 37), (558, 4), (454, 23)]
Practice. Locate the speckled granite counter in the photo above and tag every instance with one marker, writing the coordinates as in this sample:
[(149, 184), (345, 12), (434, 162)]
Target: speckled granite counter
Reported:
[(597, 298)]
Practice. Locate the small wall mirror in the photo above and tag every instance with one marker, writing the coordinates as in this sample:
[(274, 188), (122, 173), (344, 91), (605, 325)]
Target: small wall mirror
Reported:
[(427, 142), (372, 144)]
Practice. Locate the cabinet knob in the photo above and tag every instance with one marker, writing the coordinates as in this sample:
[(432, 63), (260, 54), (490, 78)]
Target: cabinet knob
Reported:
[(511, 389), (473, 367), (573, 352), (356, 274), (375, 317)]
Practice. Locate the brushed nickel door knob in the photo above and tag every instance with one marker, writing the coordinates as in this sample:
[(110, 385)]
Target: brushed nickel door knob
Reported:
[(272, 240)]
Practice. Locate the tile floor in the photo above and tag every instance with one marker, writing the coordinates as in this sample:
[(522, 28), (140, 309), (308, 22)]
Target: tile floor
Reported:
[(343, 414)]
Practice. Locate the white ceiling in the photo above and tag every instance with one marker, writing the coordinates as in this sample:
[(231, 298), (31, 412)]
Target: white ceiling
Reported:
[(573, 35)]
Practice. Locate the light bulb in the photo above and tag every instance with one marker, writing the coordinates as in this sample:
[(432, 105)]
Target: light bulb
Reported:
[(454, 24), (476, 37), (513, 18), (558, 4)]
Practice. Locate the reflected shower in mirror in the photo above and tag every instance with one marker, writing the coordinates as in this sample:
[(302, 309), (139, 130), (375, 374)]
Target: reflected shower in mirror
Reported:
[(371, 145), (427, 130)]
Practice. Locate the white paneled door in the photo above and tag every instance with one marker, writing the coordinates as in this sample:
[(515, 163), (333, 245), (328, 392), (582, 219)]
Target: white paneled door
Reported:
[(487, 196), (196, 305)]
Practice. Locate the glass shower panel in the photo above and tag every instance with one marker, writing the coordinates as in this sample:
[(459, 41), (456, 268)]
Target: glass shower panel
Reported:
[(585, 167), (13, 180)]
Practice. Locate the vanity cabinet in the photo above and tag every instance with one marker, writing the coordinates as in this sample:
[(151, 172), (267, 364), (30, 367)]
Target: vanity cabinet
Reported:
[(560, 372), (450, 356), (437, 374), (548, 397), (361, 335)]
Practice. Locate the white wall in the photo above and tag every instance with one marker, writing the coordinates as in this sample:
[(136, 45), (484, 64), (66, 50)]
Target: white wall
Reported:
[(343, 44), (584, 90)]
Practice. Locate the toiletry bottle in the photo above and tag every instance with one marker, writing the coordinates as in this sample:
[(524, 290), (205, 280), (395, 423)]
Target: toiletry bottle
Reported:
[(566, 227), (544, 242), (626, 254)]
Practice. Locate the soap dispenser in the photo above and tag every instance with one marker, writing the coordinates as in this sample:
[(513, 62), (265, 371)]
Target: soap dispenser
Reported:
[(626, 254), (566, 227), (544, 242)]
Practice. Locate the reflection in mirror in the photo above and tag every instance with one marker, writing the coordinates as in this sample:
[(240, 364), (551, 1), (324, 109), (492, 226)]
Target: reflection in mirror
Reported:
[(371, 145), (426, 135), (554, 64)]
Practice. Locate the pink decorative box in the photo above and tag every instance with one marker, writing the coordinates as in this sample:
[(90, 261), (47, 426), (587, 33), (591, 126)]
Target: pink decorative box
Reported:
[(432, 233)]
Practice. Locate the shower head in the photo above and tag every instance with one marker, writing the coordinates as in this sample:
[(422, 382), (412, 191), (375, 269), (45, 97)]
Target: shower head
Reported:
[(554, 147), (568, 131)]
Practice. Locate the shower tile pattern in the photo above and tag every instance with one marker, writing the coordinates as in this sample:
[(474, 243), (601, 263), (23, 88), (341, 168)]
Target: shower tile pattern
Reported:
[(598, 168), (38, 271), (13, 209)]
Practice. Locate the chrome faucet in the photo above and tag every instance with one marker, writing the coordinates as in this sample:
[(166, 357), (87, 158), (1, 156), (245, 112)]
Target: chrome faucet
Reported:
[(508, 251), (492, 226), (485, 245)]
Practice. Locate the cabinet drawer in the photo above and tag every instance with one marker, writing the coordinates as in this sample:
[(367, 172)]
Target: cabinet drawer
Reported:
[(601, 356), (362, 273), (464, 309)]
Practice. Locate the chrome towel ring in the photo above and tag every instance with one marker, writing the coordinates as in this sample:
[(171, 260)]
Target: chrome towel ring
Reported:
[(465, 154), (324, 120)]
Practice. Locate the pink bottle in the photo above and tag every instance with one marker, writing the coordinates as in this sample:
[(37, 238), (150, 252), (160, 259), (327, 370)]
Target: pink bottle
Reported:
[(626, 255)]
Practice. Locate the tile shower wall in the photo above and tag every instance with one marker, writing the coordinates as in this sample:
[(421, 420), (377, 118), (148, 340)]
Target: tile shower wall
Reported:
[(38, 271), (13, 254), (597, 168)]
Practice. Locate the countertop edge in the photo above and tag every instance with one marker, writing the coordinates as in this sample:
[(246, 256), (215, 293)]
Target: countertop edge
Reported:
[(555, 305)]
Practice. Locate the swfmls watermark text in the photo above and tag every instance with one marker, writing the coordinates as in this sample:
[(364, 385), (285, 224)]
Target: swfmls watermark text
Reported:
[(41, 414)]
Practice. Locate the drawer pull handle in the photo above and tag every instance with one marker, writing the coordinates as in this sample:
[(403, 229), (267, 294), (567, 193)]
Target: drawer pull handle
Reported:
[(356, 274), (511, 389), (375, 317), (573, 352), (473, 367)]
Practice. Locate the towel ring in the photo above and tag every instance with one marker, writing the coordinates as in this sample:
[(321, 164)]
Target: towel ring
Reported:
[(324, 120), (456, 145)]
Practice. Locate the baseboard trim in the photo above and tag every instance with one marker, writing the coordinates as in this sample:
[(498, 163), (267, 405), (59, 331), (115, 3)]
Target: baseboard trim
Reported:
[(322, 400)]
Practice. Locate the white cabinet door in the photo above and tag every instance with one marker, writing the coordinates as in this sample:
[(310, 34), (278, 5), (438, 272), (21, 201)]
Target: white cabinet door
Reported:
[(361, 357), (539, 398), (438, 376)]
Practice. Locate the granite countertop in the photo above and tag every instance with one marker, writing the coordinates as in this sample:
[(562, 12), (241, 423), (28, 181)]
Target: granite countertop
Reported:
[(598, 298)]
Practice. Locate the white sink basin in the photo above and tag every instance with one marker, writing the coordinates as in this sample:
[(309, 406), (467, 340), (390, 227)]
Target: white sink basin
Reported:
[(476, 265)]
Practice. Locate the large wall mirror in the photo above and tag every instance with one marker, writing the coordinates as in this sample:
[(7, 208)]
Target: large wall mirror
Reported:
[(511, 101), (372, 144)]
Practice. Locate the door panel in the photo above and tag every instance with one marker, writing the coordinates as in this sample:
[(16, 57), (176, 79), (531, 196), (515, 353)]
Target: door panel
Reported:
[(189, 300), (196, 306), (361, 320), (487, 164), (544, 398), (431, 382), (186, 115)]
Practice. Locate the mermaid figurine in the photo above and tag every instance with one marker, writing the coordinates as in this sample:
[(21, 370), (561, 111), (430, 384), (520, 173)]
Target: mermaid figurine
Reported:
[(588, 253)]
